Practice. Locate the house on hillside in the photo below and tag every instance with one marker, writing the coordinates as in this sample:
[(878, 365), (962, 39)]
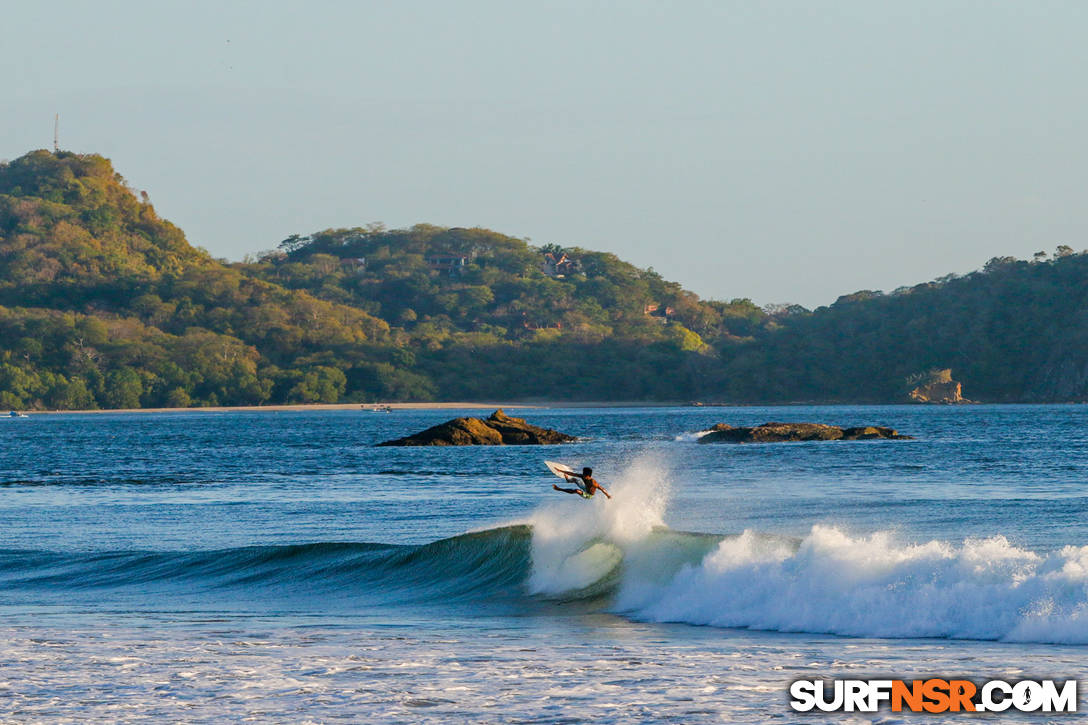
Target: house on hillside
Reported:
[(559, 265), (451, 264), (354, 265), (654, 309), (530, 324)]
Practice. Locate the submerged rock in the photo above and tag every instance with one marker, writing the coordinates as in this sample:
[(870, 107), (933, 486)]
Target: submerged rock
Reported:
[(498, 429), (783, 432)]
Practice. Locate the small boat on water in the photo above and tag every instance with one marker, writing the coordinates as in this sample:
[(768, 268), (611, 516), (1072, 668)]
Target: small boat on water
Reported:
[(16, 414), (379, 408)]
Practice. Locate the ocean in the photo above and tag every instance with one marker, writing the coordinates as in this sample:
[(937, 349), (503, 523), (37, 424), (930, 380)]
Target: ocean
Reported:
[(278, 567)]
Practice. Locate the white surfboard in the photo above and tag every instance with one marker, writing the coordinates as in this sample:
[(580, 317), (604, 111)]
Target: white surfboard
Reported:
[(566, 473)]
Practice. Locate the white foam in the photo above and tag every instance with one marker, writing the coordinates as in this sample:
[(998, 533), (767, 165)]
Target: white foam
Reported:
[(829, 583), (876, 586), (691, 437), (577, 542)]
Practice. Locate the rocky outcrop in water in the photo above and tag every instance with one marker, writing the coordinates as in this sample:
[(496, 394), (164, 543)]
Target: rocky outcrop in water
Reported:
[(498, 429), (784, 432)]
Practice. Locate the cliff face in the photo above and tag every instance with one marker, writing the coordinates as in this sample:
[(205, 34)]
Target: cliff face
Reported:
[(940, 388)]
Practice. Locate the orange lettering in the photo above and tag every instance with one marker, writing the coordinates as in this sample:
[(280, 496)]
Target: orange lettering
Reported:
[(961, 692), (911, 695), (936, 691)]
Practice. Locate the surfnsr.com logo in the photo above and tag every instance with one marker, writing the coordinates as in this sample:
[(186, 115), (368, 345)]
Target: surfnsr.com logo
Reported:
[(934, 695)]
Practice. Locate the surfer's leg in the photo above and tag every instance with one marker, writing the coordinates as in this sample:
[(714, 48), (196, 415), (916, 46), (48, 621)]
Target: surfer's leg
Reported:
[(565, 490)]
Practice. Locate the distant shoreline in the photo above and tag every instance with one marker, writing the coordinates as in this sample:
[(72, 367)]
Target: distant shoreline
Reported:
[(513, 405), (364, 407)]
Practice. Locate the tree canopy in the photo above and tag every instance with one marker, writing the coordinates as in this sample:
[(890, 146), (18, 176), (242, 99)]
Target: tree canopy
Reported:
[(105, 304)]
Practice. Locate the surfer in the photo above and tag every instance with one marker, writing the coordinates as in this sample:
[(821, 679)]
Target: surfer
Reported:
[(588, 487)]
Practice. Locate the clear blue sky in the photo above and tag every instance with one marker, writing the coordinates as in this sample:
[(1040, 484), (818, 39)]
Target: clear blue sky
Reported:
[(783, 151)]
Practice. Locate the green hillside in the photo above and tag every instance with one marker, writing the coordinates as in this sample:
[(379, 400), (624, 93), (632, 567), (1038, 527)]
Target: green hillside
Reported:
[(480, 314), (1015, 331), (104, 304)]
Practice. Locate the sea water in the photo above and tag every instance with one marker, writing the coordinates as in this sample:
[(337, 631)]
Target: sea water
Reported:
[(277, 567)]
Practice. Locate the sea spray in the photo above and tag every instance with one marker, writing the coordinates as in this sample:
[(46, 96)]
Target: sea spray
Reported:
[(578, 542), (691, 436), (874, 586)]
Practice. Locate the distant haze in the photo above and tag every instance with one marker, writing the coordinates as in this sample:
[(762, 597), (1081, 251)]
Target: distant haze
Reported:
[(787, 152)]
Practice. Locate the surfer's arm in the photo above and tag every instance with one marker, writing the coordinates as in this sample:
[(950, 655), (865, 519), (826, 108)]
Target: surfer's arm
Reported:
[(606, 493)]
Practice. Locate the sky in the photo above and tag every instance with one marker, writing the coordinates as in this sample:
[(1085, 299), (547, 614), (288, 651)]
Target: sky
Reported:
[(788, 152)]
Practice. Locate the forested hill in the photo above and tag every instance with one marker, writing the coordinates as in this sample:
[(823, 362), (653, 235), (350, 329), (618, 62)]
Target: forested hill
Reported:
[(104, 304), (1015, 331)]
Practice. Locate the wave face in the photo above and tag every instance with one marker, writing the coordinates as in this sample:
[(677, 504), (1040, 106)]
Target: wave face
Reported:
[(485, 564), (618, 556), (828, 582)]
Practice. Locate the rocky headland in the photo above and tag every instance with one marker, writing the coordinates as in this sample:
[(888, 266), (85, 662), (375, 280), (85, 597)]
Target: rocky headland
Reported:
[(939, 388)]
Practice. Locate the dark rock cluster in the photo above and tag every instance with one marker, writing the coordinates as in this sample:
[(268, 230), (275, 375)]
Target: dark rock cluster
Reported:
[(782, 432), (498, 429)]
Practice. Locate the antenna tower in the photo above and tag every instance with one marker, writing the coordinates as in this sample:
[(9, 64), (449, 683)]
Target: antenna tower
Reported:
[(56, 133)]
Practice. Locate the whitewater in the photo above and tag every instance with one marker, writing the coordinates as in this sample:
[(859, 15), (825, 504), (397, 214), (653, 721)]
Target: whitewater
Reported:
[(222, 566), (826, 582)]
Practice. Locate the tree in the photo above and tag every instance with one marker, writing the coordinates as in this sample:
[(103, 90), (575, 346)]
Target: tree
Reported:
[(322, 384), (997, 264), (293, 243), (123, 389), (178, 398), (72, 395)]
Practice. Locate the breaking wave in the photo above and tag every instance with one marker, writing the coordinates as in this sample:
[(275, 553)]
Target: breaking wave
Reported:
[(833, 583), (619, 556)]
